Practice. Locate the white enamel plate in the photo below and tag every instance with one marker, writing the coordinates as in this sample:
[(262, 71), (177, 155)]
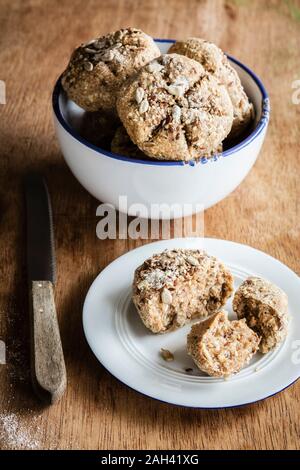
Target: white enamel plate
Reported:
[(131, 353)]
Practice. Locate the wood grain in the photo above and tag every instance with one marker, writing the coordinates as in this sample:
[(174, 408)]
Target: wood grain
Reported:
[(97, 412)]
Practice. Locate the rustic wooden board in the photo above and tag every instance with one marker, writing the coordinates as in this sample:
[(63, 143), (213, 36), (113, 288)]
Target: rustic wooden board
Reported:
[(97, 411)]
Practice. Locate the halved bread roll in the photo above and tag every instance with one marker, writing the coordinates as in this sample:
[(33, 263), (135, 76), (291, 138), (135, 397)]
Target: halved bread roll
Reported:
[(221, 347), (265, 308), (173, 287)]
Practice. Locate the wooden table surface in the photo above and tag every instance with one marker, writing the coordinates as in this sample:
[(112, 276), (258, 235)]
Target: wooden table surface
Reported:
[(97, 412)]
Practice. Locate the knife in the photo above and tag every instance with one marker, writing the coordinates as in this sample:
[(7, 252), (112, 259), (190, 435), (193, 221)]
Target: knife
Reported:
[(47, 360)]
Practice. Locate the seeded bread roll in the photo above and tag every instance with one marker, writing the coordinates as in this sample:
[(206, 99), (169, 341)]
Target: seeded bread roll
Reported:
[(216, 63), (98, 68), (173, 287), (265, 308), (221, 347), (173, 109)]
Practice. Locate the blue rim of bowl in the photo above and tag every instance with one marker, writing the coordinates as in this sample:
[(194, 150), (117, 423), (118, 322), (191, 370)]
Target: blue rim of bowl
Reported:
[(262, 123)]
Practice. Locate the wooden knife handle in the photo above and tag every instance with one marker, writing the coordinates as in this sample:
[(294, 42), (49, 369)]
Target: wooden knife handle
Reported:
[(48, 365)]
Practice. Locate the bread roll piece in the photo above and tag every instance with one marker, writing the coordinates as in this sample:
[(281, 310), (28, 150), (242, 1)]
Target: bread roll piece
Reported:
[(221, 347), (265, 308), (173, 287)]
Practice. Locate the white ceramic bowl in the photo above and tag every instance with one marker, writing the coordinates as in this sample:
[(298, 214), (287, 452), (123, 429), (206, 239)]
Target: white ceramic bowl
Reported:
[(107, 176)]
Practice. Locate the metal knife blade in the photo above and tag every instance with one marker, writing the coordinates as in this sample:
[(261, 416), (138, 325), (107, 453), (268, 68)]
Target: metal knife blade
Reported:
[(40, 237)]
